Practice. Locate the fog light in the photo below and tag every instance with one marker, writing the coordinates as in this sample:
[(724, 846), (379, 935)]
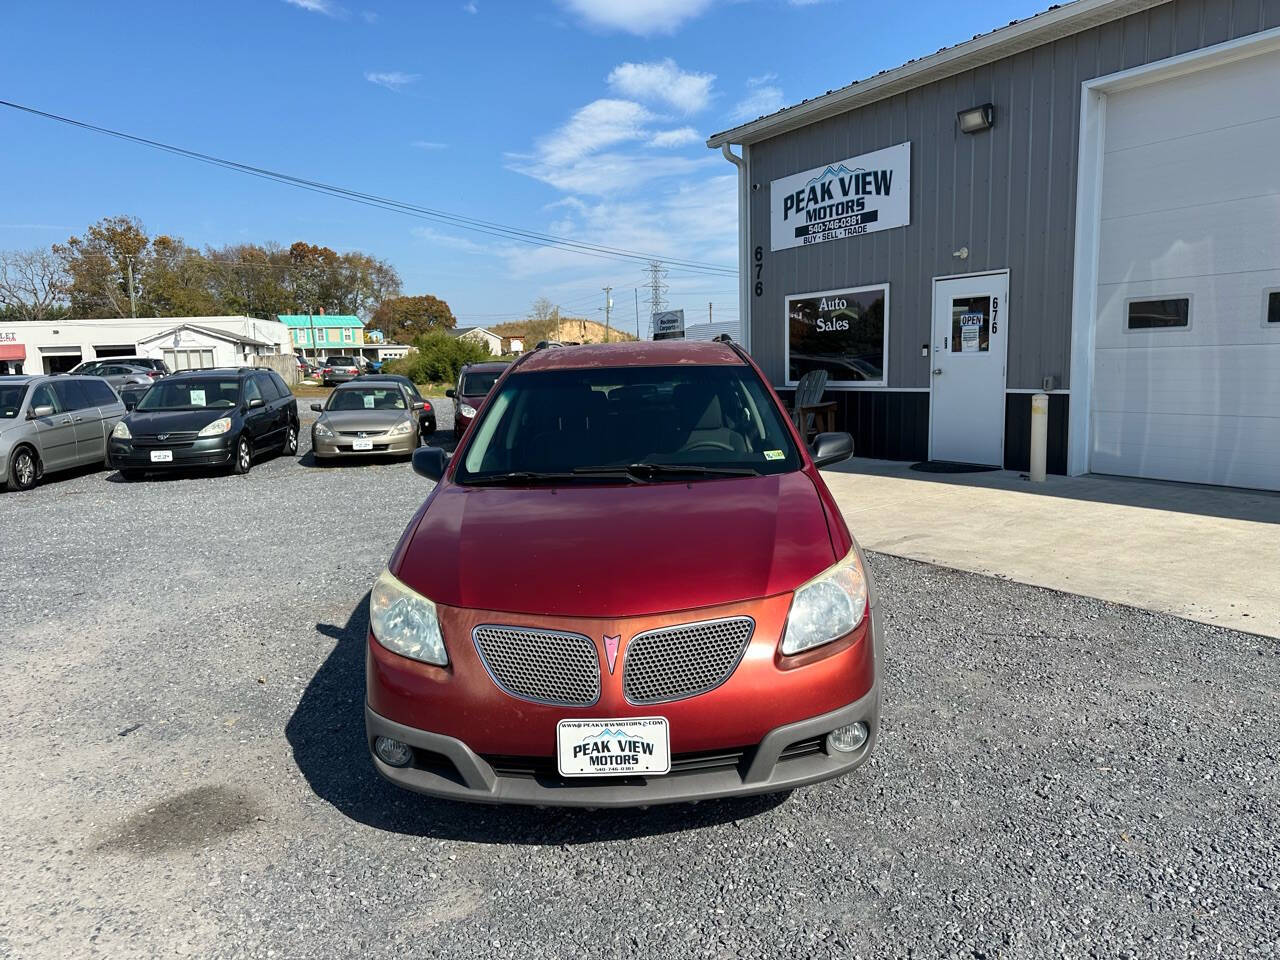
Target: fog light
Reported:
[(848, 739), (392, 752)]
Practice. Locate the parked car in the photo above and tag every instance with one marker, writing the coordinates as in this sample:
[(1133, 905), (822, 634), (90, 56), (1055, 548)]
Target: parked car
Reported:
[(120, 374), (629, 586), (53, 423), (151, 363), (426, 416), (337, 370), (366, 417), (475, 380), (306, 369), (218, 417)]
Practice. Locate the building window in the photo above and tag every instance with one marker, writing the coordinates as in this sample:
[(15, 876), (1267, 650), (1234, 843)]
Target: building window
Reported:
[(1273, 307), (1159, 314), (346, 335), (844, 332)]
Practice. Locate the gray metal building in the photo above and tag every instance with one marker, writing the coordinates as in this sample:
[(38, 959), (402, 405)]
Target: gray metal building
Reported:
[(1086, 202)]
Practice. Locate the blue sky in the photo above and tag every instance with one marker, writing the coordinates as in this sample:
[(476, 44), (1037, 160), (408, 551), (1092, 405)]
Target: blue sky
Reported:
[(584, 118)]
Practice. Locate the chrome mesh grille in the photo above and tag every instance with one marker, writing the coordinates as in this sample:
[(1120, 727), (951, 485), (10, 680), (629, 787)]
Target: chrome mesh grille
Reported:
[(541, 665), (683, 661)]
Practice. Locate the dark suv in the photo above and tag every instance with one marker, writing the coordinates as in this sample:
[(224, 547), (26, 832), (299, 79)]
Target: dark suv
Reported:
[(207, 418)]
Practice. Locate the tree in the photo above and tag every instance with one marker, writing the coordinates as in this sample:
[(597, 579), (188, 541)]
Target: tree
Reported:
[(178, 282), (364, 283), (543, 322), (438, 358), (403, 319), (98, 266), (33, 285)]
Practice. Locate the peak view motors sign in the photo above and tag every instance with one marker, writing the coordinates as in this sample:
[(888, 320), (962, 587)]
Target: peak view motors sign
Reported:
[(845, 199)]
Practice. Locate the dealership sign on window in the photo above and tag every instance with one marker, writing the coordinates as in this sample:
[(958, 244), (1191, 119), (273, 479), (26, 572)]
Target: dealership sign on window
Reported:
[(845, 199)]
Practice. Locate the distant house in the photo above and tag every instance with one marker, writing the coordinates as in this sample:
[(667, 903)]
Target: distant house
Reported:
[(190, 346), (318, 335), (479, 335)]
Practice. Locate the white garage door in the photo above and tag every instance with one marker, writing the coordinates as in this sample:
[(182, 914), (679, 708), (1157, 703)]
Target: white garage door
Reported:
[(1187, 368)]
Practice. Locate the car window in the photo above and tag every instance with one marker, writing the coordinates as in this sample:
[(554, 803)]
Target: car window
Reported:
[(191, 394), (71, 395), (11, 395), (269, 391), (251, 390), (282, 388), (44, 397), (368, 398), (99, 393), (479, 384), (696, 416)]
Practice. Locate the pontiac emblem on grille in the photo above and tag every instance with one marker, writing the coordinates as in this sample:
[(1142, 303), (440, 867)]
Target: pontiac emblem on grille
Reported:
[(611, 649)]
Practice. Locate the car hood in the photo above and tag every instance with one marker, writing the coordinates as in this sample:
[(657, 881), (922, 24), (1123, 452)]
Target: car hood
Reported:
[(613, 551), (142, 423), (370, 421)]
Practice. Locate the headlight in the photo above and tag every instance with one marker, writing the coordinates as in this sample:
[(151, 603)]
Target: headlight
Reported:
[(467, 410), (827, 607), (217, 428), (405, 622), (121, 432), (400, 429), (322, 429)]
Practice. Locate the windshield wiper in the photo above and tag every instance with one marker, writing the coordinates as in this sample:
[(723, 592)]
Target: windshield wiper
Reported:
[(536, 476), (644, 471)]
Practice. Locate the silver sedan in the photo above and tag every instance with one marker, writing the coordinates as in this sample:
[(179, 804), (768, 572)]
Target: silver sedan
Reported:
[(366, 417)]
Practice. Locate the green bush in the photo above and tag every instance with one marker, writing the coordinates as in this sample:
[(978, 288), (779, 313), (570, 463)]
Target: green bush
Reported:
[(437, 358)]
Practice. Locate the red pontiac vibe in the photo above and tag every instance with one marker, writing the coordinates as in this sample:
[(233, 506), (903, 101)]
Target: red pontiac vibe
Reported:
[(630, 585)]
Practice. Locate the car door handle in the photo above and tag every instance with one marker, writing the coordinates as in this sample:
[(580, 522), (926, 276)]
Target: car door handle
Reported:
[(937, 371), (77, 419), (64, 422)]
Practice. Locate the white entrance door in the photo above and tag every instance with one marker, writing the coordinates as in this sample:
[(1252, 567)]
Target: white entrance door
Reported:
[(970, 331)]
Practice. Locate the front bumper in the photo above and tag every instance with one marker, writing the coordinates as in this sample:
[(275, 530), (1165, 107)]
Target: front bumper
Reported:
[(383, 446), (716, 752), (209, 451)]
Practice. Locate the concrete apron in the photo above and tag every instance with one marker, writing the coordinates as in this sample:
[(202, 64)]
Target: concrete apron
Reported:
[(1210, 554)]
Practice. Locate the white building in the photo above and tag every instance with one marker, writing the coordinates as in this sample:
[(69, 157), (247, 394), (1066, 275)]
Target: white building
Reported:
[(490, 339), (55, 346)]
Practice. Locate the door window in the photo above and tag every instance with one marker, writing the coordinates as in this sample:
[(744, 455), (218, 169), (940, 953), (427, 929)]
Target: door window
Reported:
[(269, 391), (71, 395), (44, 397), (99, 393), (251, 391), (972, 322)]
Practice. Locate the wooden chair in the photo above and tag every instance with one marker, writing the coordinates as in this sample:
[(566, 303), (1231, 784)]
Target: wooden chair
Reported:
[(810, 414)]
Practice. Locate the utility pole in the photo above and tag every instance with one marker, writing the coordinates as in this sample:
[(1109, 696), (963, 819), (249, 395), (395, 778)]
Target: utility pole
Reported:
[(607, 304), (708, 311), (311, 321), (133, 296), (637, 313)]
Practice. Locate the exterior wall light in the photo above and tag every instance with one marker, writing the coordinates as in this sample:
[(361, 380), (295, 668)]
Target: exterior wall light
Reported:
[(977, 119)]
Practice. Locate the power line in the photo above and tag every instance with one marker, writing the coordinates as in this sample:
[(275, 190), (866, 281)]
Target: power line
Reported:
[(488, 227)]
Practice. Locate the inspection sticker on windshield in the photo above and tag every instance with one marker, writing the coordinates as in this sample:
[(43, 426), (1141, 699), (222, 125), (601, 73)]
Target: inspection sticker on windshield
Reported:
[(608, 748), (774, 454)]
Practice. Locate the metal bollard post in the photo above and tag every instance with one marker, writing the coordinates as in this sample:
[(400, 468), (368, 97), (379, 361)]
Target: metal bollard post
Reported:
[(1039, 435)]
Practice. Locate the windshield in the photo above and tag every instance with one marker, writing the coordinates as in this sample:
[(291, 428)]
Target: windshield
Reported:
[(712, 420), (11, 399), (340, 362), (367, 398), (479, 384), (191, 395)]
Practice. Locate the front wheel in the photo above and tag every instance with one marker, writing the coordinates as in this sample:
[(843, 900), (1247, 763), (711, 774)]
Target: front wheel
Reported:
[(243, 456), (291, 440), (23, 471)]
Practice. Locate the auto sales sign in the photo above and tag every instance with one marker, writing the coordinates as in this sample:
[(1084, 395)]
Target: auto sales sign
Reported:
[(845, 199)]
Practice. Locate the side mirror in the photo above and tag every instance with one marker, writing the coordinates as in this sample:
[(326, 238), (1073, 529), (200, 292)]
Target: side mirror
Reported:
[(829, 448), (429, 462), (257, 402), (451, 393), (419, 405), (44, 410), (317, 407), (130, 401)]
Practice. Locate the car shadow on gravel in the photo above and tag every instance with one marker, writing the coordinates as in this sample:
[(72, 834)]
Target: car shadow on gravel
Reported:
[(326, 733)]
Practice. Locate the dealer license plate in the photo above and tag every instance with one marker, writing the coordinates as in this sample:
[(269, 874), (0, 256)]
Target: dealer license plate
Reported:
[(162, 456), (361, 444), (613, 748)]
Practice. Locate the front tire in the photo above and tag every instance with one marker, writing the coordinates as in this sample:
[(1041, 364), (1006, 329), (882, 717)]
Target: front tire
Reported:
[(242, 459), (24, 469)]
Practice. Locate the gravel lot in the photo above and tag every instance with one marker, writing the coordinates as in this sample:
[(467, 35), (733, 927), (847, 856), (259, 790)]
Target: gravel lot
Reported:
[(183, 772)]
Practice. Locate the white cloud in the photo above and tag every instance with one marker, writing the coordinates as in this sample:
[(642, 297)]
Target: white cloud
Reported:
[(326, 7), (601, 123), (759, 101), (393, 80), (470, 8), (429, 145), (665, 82), (761, 80), (641, 17), (674, 138)]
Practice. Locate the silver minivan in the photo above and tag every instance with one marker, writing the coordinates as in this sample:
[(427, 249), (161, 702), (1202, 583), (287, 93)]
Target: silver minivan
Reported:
[(53, 423)]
